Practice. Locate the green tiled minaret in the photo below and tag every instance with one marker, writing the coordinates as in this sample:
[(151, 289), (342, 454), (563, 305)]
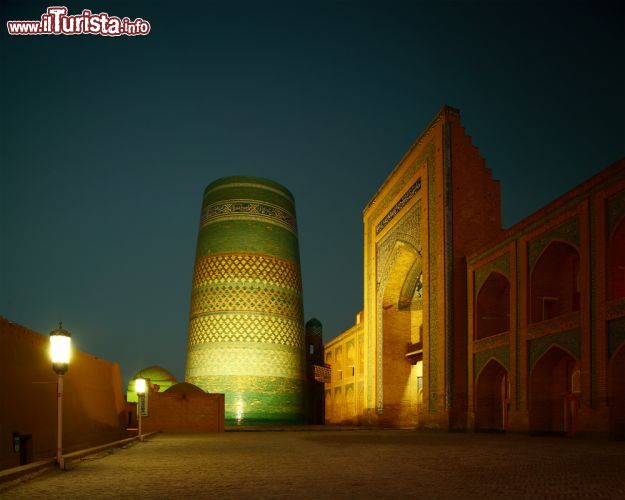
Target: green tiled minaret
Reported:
[(246, 329)]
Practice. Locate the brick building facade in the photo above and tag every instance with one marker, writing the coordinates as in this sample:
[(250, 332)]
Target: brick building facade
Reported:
[(467, 325)]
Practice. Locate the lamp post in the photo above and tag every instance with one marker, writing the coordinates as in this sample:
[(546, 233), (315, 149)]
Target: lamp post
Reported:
[(60, 348), (140, 387)]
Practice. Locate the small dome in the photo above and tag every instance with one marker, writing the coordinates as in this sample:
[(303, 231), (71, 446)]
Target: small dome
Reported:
[(156, 374), (185, 388), (313, 322)]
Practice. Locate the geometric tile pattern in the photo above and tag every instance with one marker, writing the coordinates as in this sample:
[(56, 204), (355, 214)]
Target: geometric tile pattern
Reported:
[(242, 297), (245, 328), (257, 268)]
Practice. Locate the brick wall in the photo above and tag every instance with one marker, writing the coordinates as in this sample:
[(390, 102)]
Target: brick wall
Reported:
[(93, 404), (184, 411)]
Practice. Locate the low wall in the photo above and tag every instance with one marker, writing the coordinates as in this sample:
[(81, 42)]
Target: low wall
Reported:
[(93, 403), (184, 411)]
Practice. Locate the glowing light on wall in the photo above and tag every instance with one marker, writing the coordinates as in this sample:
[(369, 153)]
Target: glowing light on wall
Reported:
[(239, 411)]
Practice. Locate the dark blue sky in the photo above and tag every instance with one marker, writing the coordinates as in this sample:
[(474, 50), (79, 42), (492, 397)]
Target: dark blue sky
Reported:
[(107, 143)]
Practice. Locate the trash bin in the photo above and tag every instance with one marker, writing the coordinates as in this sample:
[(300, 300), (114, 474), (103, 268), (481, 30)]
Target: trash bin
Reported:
[(21, 445)]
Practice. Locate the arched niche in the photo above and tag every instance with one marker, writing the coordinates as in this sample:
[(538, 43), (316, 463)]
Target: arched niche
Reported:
[(492, 397), (492, 307), (616, 262), (553, 393), (554, 286)]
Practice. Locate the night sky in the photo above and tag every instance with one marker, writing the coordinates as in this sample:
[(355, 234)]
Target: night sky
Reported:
[(108, 143)]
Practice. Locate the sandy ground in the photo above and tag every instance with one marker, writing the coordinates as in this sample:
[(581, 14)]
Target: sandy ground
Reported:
[(342, 464)]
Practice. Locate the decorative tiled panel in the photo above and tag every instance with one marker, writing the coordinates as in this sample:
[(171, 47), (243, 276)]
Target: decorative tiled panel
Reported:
[(501, 354), (248, 210), (435, 295), (244, 328), (616, 335), (242, 297), (501, 265), (403, 201), (249, 268), (570, 340), (567, 231)]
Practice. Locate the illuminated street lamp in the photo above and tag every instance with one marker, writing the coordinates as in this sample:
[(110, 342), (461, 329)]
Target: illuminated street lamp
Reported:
[(140, 387), (60, 348)]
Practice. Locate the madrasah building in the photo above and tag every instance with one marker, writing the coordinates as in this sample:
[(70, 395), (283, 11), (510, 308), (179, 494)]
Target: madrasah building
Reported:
[(470, 326)]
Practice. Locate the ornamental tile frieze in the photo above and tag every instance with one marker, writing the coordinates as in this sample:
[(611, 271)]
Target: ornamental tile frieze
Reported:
[(426, 155), (248, 210), (403, 201)]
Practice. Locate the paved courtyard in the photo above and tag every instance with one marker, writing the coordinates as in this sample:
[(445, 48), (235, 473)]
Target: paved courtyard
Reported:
[(342, 464)]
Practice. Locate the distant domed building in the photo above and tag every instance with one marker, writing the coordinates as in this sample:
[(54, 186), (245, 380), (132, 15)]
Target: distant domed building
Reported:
[(184, 388), (155, 375)]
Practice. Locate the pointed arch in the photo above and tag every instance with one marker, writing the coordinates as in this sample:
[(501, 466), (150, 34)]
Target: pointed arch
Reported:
[(616, 262), (554, 284), (553, 396), (492, 397), (492, 306)]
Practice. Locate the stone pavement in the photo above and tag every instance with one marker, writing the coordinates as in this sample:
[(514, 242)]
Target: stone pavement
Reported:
[(342, 464)]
